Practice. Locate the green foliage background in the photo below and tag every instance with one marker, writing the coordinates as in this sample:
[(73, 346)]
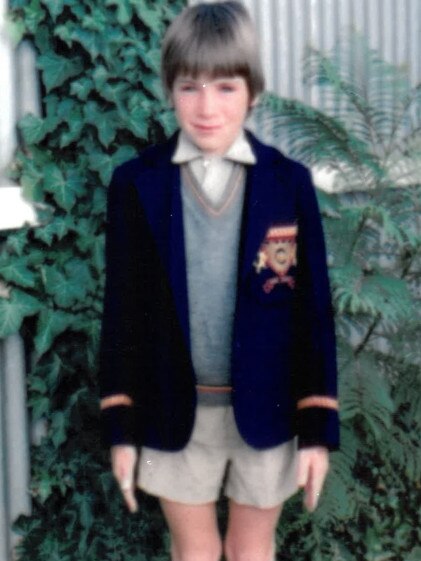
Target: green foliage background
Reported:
[(102, 102), (369, 135)]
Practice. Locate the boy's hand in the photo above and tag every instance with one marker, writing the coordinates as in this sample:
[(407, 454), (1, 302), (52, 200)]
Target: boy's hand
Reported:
[(313, 465), (123, 461)]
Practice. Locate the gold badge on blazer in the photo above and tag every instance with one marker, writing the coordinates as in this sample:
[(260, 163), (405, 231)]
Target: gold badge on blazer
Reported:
[(278, 252)]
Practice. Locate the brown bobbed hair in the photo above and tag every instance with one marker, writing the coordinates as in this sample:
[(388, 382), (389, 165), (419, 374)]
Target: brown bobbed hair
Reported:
[(216, 40)]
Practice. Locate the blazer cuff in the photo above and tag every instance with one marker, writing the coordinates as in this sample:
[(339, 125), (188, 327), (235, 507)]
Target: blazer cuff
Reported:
[(118, 425), (318, 426)]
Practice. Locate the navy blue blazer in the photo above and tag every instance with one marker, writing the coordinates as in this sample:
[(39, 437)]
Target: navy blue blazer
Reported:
[(283, 349)]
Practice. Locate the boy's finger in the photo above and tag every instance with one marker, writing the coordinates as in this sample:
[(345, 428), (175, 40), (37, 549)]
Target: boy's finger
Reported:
[(303, 471), (311, 496), (130, 499), (314, 487)]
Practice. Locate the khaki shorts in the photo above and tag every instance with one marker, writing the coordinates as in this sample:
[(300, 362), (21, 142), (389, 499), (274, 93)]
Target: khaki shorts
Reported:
[(215, 458)]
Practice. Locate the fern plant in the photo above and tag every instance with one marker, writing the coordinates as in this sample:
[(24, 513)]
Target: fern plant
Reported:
[(369, 135)]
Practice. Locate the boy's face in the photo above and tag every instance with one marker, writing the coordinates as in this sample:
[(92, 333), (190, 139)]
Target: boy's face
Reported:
[(211, 111)]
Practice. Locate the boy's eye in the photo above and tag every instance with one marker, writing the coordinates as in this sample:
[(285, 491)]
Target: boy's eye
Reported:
[(188, 88), (227, 89)]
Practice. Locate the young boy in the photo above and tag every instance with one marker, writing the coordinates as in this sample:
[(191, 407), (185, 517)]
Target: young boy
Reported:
[(218, 351)]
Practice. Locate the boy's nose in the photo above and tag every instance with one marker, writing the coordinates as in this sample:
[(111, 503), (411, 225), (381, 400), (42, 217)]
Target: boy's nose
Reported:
[(206, 102)]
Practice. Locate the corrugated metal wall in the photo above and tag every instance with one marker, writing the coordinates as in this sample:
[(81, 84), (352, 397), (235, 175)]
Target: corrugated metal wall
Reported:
[(286, 27)]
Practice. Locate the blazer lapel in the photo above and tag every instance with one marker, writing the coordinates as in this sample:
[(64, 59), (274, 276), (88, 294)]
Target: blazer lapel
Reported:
[(160, 192), (177, 257), (263, 191)]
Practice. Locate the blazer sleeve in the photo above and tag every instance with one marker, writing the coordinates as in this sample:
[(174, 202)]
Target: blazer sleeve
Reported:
[(316, 370), (119, 348)]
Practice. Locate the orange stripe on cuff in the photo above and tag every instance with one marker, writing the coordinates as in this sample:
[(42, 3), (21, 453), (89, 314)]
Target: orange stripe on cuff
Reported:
[(318, 401), (114, 400)]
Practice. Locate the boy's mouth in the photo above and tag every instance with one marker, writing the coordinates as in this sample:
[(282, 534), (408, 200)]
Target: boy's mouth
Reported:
[(206, 128)]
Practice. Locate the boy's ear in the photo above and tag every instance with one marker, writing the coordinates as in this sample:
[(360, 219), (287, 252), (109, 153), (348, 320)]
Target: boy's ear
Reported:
[(254, 101)]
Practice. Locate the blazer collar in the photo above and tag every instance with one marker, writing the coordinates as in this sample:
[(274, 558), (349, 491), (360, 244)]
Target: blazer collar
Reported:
[(161, 155)]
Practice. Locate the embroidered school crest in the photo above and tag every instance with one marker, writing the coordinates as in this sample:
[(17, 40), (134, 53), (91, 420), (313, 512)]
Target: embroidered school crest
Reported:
[(278, 252)]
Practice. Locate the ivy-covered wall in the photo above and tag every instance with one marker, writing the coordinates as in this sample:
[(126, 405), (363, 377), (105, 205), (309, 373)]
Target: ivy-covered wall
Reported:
[(102, 102)]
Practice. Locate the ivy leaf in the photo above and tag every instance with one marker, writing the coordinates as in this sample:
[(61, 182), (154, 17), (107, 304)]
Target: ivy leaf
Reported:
[(75, 125), (138, 122), (16, 243), (56, 229), (32, 128), (152, 17), (44, 490), (58, 428), (153, 85), (100, 75), (168, 121), (97, 19), (106, 122), (38, 385), (69, 286), (107, 128), (124, 10), (31, 182), (123, 154), (92, 328), (14, 310), (85, 509), (55, 7), (40, 405), (99, 201), (92, 42), (91, 243), (64, 190), (81, 88), (34, 15), (51, 323), (97, 251), (16, 271), (153, 60), (105, 164), (57, 69), (15, 29), (113, 92)]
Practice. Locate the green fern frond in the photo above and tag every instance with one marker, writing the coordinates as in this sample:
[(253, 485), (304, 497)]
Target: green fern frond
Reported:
[(375, 294), (366, 394), (317, 138), (341, 496), (372, 97), (403, 450)]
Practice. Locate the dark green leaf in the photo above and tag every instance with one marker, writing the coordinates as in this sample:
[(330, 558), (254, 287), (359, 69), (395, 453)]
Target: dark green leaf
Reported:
[(33, 129), (17, 271), (51, 323), (57, 69), (14, 310)]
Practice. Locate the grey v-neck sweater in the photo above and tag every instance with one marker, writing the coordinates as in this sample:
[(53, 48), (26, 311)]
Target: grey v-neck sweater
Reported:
[(212, 236)]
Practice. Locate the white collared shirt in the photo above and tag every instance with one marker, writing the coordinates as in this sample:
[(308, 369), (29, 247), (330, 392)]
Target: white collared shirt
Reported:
[(213, 172)]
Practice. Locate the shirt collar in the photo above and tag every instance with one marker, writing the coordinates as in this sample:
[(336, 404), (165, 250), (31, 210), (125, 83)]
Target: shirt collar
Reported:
[(240, 150)]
